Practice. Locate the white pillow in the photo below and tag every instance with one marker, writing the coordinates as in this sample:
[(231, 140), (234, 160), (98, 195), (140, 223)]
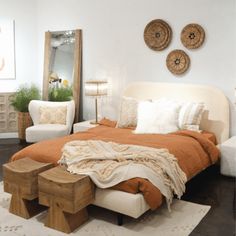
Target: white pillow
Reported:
[(190, 115), (52, 115), (127, 113), (158, 117)]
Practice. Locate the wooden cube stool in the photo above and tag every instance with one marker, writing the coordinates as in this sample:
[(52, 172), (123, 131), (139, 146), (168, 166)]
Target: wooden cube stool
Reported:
[(21, 180), (67, 196)]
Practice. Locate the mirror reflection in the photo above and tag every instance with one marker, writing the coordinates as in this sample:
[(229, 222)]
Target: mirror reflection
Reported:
[(61, 64)]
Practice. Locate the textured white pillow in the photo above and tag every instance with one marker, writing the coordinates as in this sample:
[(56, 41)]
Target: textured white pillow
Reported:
[(158, 117), (52, 115), (127, 113), (190, 115)]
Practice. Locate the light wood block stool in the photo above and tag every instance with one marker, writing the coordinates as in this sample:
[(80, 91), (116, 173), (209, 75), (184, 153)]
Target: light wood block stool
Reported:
[(21, 180), (67, 196)]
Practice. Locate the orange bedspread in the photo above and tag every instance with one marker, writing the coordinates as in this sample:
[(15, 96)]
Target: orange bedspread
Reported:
[(193, 150)]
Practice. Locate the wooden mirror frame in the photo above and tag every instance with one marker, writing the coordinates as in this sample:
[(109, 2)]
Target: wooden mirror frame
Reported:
[(77, 68)]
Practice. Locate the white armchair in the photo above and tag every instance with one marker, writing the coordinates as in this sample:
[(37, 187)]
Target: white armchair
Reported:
[(42, 131)]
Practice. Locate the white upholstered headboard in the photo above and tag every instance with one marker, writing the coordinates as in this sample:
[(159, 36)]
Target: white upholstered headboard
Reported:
[(215, 119)]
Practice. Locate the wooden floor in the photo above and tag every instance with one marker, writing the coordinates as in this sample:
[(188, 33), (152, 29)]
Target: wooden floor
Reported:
[(210, 188)]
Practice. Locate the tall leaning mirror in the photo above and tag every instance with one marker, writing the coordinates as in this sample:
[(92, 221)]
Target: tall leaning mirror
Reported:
[(62, 63)]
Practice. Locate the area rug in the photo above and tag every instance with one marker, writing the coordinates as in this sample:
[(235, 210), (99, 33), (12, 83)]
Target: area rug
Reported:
[(182, 219)]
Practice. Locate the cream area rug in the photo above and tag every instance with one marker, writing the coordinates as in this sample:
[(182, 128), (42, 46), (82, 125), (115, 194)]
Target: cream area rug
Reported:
[(183, 218)]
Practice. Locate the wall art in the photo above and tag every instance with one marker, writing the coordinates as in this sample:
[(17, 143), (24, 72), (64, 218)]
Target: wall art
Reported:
[(157, 35), (177, 62), (7, 49), (192, 36)]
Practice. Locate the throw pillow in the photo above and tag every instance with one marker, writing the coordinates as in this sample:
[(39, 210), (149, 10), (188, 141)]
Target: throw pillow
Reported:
[(52, 115), (127, 113), (159, 117), (190, 115)]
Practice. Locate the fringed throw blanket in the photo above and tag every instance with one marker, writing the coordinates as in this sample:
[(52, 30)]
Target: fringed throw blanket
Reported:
[(109, 163)]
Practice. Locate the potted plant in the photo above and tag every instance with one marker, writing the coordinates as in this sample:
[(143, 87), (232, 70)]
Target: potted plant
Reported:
[(60, 94), (20, 102)]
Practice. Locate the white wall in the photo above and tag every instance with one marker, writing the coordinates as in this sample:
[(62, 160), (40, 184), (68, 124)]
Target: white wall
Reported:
[(23, 12), (113, 45)]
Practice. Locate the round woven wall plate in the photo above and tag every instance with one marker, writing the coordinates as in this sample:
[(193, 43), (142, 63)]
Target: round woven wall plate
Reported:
[(157, 35), (177, 62), (192, 36)]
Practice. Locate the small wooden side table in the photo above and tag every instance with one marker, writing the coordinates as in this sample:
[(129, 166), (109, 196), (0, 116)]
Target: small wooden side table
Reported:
[(20, 178), (67, 196)]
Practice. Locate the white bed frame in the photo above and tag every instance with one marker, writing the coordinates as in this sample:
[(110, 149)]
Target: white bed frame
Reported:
[(215, 119)]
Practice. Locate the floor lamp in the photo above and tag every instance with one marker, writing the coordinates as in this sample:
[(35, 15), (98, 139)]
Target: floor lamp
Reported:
[(96, 89)]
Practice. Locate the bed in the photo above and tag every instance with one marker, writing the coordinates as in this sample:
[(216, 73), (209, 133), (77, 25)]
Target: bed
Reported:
[(215, 120)]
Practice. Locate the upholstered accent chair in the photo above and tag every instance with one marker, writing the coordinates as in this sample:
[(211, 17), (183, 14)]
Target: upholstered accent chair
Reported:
[(50, 120)]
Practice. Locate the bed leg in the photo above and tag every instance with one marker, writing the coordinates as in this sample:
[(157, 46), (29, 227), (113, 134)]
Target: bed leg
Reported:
[(119, 219)]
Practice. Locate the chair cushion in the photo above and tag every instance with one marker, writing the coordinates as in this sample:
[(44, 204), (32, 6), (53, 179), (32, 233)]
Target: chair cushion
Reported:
[(45, 131), (129, 204)]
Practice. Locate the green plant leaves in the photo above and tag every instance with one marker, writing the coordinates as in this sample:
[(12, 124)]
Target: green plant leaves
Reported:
[(60, 94), (23, 96)]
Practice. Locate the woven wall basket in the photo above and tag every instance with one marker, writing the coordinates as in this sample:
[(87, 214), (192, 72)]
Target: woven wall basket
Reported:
[(192, 36), (177, 62), (157, 35)]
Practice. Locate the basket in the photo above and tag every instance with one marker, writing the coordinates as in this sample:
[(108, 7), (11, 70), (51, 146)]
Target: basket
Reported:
[(192, 36), (24, 121), (177, 62), (157, 35)]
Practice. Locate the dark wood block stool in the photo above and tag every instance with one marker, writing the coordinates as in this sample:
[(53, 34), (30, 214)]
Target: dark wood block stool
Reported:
[(67, 196), (21, 180)]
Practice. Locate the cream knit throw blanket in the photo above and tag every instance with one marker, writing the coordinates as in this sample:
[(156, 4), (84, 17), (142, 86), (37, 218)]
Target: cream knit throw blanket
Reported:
[(109, 163)]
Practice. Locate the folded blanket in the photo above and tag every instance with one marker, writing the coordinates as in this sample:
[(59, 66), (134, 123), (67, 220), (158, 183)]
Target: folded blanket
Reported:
[(109, 163)]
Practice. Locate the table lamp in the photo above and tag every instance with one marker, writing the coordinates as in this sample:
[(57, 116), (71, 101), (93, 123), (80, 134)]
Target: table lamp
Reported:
[(96, 89)]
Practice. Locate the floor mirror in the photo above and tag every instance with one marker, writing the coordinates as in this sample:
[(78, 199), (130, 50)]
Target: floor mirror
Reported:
[(62, 63)]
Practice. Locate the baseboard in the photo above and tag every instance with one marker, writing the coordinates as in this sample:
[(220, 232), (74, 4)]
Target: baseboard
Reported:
[(8, 135)]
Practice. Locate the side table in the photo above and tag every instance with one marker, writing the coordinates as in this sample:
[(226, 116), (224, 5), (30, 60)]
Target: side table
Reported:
[(228, 157), (83, 126), (21, 180), (67, 197)]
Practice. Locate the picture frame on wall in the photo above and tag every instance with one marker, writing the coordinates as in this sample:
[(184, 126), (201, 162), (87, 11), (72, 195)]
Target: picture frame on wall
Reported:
[(7, 49)]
